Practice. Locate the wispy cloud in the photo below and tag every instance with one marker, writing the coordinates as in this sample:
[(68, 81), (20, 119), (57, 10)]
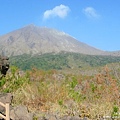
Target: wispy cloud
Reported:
[(91, 12), (60, 11)]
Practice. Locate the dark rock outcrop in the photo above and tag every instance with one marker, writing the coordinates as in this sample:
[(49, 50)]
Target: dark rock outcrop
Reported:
[(4, 65)]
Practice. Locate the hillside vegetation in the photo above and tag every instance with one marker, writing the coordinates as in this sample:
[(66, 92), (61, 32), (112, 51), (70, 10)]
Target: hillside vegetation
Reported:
[(61, 61), (91, 96)]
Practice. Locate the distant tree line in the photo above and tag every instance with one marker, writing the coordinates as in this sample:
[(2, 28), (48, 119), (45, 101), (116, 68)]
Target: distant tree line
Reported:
[(61, 61)]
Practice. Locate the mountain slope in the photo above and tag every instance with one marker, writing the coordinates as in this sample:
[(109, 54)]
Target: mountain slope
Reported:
[(39, 40)]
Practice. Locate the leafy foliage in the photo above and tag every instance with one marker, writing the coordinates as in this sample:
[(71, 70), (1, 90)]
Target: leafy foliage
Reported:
[(61, 61)]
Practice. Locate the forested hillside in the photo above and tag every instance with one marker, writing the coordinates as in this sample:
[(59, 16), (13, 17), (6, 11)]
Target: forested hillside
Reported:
[(61, 61)]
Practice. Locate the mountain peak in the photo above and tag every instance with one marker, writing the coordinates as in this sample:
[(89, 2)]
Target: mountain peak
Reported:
[(32, 39), (29, 26)]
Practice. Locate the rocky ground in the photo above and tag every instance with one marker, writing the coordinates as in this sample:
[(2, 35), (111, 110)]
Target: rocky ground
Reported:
[(21, 112)]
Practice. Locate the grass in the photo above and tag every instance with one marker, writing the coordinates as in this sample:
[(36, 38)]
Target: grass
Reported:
[(67, 94)]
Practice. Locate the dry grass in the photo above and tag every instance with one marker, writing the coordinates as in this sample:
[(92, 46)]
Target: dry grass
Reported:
[(69, 94)]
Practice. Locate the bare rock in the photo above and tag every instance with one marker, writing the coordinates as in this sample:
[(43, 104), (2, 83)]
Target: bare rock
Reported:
[(5, 98), (20, 113)]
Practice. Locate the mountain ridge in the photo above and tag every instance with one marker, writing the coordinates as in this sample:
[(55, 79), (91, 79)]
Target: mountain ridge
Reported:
[(33, 40)]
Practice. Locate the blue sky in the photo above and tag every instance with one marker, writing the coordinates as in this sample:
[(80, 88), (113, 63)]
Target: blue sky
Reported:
[(94, 22)]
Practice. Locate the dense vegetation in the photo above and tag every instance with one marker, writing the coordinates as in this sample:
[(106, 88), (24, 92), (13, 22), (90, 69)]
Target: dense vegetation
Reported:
[(91, 96), (45, 86), (61, 61)]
